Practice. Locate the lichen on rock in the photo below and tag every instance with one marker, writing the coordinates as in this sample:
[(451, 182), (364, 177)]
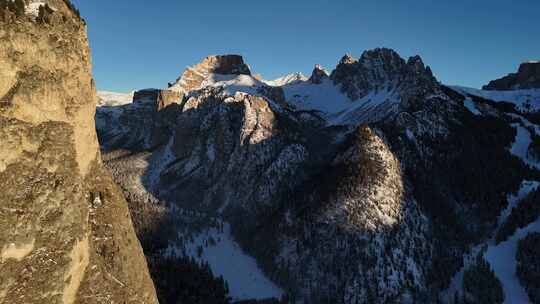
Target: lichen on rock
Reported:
[(56, 246)]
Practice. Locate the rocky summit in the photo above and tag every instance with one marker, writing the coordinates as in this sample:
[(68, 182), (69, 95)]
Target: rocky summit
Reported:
[(65, 230), (194, 76), (527, 77)]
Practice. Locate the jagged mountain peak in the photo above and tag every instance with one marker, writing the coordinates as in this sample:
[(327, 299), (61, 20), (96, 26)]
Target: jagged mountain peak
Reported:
[(347, 59), (318, 74), (380, 69)]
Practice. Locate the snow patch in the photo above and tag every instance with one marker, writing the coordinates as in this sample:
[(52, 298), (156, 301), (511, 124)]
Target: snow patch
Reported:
[(520, 147), (226, 258), (324, 97), (525, 100), (471, 106), (111, 99), (514, 199), (503, 264), (289, 79), (502, 259)]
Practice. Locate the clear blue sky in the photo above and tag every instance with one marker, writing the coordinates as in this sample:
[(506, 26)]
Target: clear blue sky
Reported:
[(144, 43)]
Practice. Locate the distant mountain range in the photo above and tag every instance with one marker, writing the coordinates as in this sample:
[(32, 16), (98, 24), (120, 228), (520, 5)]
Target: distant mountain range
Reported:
[(372, 183)]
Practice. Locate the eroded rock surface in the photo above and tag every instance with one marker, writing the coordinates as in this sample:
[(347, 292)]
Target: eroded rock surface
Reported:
[(65, 231)]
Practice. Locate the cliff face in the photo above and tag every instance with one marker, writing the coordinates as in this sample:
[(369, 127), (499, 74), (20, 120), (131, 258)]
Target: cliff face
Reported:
[(65, 231)]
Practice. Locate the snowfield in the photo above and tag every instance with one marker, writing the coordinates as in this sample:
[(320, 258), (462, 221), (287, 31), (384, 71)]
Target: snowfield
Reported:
[(226, 258), (324, 97), (525, 100), (502, 257), (287, 80), (338, 108), (112, 99)]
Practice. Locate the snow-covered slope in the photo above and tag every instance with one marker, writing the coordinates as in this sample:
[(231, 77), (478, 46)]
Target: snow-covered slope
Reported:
[(111, 99), (525, 100), (226, 258), (325, 97), (287, 80), (337, 107), (501, 257)]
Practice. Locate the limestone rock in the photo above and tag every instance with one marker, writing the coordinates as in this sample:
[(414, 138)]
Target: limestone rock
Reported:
[(161, 98), (65, 231), (193, 77)]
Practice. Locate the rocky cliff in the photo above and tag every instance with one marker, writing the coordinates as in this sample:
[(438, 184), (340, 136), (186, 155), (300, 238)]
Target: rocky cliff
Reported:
[(65, 231), (527, 77)]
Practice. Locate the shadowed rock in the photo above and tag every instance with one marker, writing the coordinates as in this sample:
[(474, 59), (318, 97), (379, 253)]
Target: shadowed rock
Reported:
[(527, 77)]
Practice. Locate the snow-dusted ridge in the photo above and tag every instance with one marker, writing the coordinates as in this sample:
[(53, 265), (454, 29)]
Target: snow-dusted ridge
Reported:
[(525, 100), (288, 79)]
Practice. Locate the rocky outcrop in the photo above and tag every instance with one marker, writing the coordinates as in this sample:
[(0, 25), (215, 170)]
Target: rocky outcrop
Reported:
[(381, 69), (193, 77), (318, 75), (161, 98), (527, 77), (145, 124), (65, 231), (221, 141), (359, 207)]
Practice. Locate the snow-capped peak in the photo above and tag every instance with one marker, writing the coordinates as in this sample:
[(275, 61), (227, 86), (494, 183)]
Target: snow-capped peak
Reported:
[(288, 79)]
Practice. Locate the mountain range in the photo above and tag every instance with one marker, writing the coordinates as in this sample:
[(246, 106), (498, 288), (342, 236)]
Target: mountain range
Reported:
[(370, 183), (373, 183)]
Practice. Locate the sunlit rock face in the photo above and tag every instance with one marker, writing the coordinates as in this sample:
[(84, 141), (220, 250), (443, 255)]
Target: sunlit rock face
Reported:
[(65, 231), (160, 98), (193, 77)]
